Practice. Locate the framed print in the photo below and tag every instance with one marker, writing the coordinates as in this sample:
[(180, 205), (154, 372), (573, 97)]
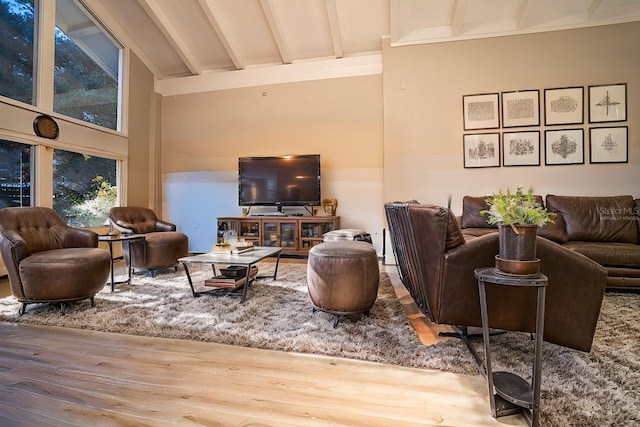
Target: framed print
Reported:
[(521, 148), (564, 147), (481, 150), (564, 106), (481, 111), (521, 108), (609, 145), (608, 103)]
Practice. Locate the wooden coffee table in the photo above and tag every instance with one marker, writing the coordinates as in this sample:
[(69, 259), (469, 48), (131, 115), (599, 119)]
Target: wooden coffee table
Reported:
[(246, 259)]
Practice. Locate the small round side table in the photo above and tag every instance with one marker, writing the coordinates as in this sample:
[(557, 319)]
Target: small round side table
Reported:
[(508, 392)]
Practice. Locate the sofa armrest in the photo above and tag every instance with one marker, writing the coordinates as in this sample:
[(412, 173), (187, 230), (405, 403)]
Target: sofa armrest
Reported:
[(574, 295), (14, 248), (123, 227), (80, 238), (573, 299), (164, 226)]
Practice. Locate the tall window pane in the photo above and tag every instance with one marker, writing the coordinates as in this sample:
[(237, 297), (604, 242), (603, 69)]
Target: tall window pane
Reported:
[(86, 68), (15, 174), (84, 188), (16, 49)]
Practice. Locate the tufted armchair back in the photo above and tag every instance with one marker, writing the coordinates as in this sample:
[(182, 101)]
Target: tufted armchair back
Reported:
[(138, 220), (28, 230)]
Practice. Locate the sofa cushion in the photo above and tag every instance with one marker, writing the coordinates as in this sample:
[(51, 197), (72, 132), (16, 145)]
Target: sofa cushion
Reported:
[(454, 235), (472, 233), (608, 254), (554, 231), (597, 219), (471, 207)]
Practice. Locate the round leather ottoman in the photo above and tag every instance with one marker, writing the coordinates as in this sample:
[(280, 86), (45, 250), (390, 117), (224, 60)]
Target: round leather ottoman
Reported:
[(343, 277)]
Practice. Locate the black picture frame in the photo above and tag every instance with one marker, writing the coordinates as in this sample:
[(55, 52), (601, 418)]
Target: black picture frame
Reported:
[(609, 144), (521, 108), (564, 106), (481, 150), (564, 147), (608, 103), (521, 148), (481, 111)]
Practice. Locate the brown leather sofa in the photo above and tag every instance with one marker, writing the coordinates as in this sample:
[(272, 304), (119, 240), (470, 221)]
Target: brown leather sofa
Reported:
[(436, 263), (49, 262), (605, 229), (162, 245)]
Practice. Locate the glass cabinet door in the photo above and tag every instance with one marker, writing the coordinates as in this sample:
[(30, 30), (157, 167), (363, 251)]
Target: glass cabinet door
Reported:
[(280, 233), (312, 233), (250, 231), (288, 235), (270, 234)]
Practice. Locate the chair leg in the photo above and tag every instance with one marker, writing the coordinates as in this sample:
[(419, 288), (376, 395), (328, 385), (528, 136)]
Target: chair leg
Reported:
[(93, 301), (63, 308), (335, 321), (22, 309)]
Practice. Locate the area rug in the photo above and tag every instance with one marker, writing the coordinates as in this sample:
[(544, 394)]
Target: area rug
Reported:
[(599, 388)]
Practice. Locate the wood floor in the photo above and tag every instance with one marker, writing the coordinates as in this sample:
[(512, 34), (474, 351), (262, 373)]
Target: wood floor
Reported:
[(66, 377)]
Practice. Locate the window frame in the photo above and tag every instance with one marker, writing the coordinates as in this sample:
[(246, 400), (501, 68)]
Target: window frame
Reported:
[(16, 117)]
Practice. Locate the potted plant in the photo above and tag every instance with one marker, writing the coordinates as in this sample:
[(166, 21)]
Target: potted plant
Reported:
[(518, 216)]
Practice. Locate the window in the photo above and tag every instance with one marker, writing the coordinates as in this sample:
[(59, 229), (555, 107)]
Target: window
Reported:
[(15, 174), (84, 188), (17, 50), (87, 64)]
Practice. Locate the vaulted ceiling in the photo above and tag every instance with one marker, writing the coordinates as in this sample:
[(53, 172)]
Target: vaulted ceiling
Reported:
[(181, 38)]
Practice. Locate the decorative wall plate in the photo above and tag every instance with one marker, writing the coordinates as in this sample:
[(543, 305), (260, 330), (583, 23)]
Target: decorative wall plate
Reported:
[(46, 127)]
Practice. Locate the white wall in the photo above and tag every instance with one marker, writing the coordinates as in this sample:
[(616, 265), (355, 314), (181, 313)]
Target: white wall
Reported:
[(195, 199)]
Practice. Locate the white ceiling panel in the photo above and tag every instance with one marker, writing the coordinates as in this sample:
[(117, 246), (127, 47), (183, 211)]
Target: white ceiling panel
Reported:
[(182, 38), (305, 26), (363, 23)]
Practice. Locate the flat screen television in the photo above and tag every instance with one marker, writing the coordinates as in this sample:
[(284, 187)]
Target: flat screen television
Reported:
[(279, 181)]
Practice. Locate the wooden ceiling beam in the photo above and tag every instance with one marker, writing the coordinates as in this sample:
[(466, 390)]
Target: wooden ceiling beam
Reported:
[(268, 6), (334, 28), (457, 20), (525, 17), (596, 8), (164, 25), (212, 11)]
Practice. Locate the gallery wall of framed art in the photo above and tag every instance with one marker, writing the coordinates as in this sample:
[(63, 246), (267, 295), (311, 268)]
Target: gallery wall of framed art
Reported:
[(505, 128)]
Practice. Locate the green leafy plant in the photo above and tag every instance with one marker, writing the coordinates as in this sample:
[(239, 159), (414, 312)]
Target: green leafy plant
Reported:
[(517, 208)]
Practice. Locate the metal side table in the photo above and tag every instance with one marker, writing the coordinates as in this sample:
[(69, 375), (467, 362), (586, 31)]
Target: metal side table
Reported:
[(125, 239), (508, 392)]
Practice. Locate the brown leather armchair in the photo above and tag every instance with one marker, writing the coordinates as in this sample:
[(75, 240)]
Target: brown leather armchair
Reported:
[(49, 262), (162, 245), (437, 266)]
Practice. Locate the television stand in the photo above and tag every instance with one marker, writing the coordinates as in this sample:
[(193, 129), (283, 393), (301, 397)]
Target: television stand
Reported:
[(294, 234)]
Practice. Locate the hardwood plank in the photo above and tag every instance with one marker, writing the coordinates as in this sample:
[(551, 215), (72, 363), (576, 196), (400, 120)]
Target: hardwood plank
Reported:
[(59, 376)]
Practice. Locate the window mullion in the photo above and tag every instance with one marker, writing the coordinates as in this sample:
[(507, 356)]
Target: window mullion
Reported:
[(45, 54)]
